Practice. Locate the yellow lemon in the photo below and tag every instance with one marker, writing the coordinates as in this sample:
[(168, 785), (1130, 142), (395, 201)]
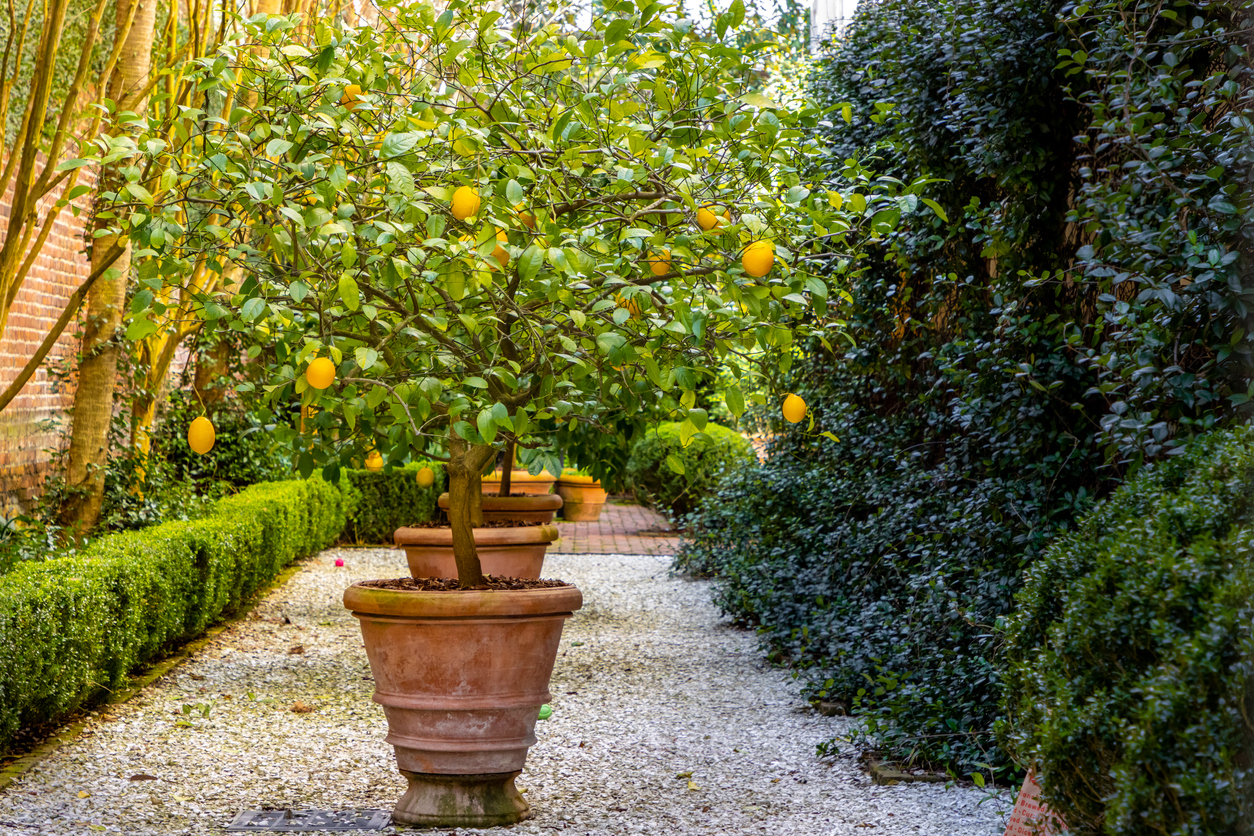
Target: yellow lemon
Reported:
[(465, 203), (426, 477), (660, 262), (374, 462), (794, 409), (321, 373), (200, 435), (629, 302), (707, 219), (528, 220), (500, 253), (758, 258), (352, 96)]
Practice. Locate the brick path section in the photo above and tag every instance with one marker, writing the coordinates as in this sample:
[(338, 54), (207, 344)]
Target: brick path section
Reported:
[(622, 529)]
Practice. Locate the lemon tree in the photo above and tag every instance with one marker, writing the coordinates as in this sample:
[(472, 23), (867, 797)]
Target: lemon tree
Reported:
[(475, 234)]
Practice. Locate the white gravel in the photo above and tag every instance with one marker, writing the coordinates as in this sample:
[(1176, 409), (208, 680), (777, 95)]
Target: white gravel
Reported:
[(650, 685)]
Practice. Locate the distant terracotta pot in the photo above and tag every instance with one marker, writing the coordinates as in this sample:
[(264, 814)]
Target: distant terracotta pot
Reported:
[(520, 481), (516, 552), (532, 508), (461, 677), (582, 496)]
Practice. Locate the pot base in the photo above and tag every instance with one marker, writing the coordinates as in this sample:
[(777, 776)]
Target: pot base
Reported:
[(489, 800)]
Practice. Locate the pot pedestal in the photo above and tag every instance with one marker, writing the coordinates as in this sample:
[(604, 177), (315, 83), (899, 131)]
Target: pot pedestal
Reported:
[(434, 800), (582, 497), (528, 508)]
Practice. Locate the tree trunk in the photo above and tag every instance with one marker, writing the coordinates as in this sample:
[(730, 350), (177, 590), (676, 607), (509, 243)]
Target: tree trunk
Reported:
[(507, 469), (106, 303), (465, 505)]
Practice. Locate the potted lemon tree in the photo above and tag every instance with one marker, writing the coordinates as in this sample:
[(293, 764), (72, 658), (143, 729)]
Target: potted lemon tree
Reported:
[(451, 228)]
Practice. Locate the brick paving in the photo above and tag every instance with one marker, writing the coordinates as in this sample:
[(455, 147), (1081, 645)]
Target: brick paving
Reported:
[(622, 529)]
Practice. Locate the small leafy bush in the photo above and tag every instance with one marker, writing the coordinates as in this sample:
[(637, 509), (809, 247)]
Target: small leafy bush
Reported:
[(243, 454), (703, 462), (73, 626), (1132, 654), (383, 502)]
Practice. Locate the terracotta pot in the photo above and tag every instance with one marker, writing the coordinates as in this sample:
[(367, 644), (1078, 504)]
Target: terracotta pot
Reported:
[(509, 552), (533, 508), (520, 481), (582, 497), (461, 677)]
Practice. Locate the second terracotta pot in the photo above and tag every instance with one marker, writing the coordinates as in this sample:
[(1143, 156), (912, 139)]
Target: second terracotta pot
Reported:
[(582, 497), (521, 482), (514, 552), (532, 508)]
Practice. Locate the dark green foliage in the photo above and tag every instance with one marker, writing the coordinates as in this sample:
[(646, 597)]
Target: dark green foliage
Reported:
[(72, 626), (1133, 651), (704, 462), (1055, 330), (383, 502), (243, 453)]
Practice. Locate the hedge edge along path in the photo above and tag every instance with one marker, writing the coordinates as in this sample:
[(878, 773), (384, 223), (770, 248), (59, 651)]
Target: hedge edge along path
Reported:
[(72, 628)]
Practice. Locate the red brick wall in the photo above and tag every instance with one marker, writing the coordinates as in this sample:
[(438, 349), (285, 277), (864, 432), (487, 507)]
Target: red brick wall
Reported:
[(27, 446)]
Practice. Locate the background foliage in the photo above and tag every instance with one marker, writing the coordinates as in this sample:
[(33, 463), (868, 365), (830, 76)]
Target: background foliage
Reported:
[(654, 478), (382, 502), (1137, 632), (1079, 309)]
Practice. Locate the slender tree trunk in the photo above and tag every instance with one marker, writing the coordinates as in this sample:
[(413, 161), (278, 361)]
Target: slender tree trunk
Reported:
[(465, 505), (507, 469), (97, 374)]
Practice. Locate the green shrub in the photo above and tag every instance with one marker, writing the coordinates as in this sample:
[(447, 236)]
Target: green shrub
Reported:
[(71, 627), (1132, 654), (704, 462), (383, 502)]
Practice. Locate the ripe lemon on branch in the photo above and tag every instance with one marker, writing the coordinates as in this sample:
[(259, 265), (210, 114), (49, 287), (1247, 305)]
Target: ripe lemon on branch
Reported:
[(794, 409), (321, 373), (660, 262), (758, 258), (707, 218), (465, 203), (201, 435), (352, 97), (426, 477)]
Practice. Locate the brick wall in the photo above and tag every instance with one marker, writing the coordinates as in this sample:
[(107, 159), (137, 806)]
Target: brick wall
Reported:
[(27, 444)]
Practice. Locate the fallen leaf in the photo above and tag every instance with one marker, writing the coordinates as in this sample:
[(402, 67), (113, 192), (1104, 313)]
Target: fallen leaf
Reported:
[(774, 780), (84, 794), (692, 785), (300, 648), (302, 707), (196, 676), (687, 774), (142, 777)]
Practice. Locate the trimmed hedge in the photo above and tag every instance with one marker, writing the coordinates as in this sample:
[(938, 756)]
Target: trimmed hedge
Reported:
[(71, 627), (383, 502), (1132, 653), (653, 481)]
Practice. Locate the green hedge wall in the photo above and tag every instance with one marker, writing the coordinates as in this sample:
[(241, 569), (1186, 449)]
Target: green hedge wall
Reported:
[(704, 461), (383, 502), (1131, 683), (72, 626)]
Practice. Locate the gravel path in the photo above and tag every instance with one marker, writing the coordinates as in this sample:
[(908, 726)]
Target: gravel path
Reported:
[(650, 685)]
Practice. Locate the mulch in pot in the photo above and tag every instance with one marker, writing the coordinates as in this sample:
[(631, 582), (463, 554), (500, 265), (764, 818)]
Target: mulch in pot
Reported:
[(451, 584)]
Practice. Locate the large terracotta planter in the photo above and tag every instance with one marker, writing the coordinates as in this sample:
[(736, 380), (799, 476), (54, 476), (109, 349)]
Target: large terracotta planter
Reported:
[(461, 677), (531, 508), (582, 497), (516, 552), (520, 481)]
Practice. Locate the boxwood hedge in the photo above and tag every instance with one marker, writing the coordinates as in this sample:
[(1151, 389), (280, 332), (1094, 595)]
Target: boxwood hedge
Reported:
[(704, 461), (72, 627), (1131, 677), (383, 502)]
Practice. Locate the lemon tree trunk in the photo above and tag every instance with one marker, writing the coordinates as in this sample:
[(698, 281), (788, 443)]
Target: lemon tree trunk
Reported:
[(465, 504), (106, 303)]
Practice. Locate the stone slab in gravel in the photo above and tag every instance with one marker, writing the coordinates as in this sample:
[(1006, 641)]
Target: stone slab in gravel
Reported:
[(650, 685)]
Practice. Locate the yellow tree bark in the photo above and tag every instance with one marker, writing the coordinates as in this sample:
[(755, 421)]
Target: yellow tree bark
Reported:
[(97, 373)]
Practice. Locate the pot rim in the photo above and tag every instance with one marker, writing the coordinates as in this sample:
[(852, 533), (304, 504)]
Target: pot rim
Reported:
[(461, 603), (495, 536), (578, 481), (530, 502), (521, 476)]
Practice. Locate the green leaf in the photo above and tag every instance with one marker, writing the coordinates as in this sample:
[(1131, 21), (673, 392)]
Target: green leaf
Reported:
[(935, 207), (699, 418), (69, 165), (349, 294), (366, 357), (829, 434), (530, 263), (675, 463), (735, 400), (277, 147), (477, 382), (514, 193), (252, 309)]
